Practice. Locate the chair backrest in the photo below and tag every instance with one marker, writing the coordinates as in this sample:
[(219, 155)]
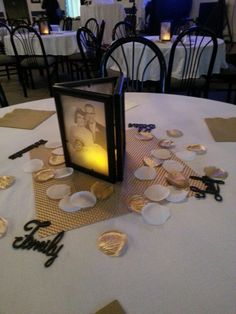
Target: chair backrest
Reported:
[(27, 43), (17, 22), (101, 32), (4, 30), (93, 25), (197, 47), (137, 58), (122, 29), (89, 49), (67, 24), (3, 99), (182, 25)]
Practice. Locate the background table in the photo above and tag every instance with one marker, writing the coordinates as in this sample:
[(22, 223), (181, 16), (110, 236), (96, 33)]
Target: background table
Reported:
[(63, 43), (152, 72), (111, 13), (220, 61), (185, 266)]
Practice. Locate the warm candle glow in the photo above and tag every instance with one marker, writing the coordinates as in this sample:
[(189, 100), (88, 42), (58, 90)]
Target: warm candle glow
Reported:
[(166, 37), (44, 28), (95, 159), (92, 157)]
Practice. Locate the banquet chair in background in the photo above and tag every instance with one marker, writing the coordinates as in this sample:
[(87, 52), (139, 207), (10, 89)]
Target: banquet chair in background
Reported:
[(93, 25), (67, 23), (182, 25), (86, 62), (101, 32), (193, 45), (97, 30), (103, 46), (122, 29), (8, 63), (226, 79), (134, 57), (3, 99), (16, 22), (30, 55)]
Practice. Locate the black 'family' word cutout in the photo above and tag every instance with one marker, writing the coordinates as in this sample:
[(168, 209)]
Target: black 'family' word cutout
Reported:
[(28, 242)]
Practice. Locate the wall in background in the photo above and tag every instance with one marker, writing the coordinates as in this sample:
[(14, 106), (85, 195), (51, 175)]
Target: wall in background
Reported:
[(141, 4), (37, 6), (231, 5), (33, 6)]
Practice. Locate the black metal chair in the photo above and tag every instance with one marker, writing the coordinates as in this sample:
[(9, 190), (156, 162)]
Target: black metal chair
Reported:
[(7, 62), (182, 25), (122, 29), (192, 44), (226, 79), (30, 55), (67, 24), (101, 32), (87, 61), (135, 57), (93, 25), (3, 99)]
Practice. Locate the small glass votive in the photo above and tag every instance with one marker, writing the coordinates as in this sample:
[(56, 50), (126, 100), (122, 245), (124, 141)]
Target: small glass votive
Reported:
[(165, 33)]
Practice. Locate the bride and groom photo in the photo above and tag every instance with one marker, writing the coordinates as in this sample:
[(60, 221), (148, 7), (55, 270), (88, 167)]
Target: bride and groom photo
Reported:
[(87, 143)]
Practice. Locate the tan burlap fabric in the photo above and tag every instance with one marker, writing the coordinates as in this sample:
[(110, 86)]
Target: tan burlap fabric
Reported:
[(24, 118), (222, 130)]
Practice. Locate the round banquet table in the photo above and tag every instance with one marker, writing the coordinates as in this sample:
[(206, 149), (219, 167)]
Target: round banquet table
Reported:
[(187, 265), (57, 43)]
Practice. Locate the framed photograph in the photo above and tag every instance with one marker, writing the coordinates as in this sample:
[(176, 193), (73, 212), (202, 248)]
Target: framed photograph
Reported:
[(35, 1), (91, 121)]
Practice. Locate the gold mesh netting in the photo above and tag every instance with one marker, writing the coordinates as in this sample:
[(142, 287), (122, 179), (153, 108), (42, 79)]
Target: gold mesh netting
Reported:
[(115, 205)]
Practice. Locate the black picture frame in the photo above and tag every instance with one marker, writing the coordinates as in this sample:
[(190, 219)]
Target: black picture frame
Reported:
[(100, 100)]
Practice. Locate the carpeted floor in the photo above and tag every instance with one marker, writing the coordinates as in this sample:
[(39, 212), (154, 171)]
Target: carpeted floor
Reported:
[(14, 91)]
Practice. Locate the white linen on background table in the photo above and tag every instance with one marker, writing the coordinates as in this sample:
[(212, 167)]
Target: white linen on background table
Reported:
[(63, 43), (220, 61)]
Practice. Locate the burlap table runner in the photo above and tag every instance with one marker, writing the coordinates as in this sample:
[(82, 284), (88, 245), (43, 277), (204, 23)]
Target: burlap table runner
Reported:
[(222, 130), (24, 118), (116, 205)]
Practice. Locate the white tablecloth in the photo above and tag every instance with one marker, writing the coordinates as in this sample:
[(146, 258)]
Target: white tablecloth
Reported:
[(62, 43), (186, 266), (153, 73), (220, 61), (111, 13), (3, 32)]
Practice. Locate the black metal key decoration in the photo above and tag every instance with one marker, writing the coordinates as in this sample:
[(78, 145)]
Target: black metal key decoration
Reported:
[(27, 149), (212, 187)]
